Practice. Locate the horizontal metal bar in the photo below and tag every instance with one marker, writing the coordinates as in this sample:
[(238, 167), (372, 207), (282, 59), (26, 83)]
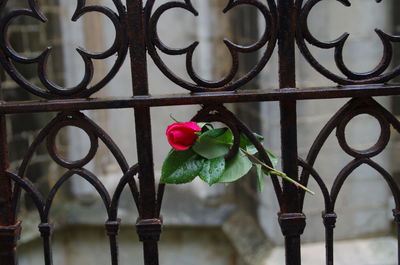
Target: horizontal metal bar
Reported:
[(199, 98)]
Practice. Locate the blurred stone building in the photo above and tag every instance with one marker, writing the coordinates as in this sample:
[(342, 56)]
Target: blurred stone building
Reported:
[(227, 225)]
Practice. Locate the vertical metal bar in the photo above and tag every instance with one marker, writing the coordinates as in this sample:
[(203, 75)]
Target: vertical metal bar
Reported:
[(145, 159), (46, 230), (149, 224), (6, 217), (142, 114), (137, 46), (287, 74), (112, 228), (396, 215), (9, 231), (292, 222), (398, 242), (329, 245), (329, 222)]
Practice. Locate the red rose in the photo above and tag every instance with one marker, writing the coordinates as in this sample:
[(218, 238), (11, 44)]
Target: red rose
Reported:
[(182, 135)]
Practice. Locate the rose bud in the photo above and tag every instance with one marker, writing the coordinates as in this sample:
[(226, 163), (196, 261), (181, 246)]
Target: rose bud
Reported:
[(181, 136)]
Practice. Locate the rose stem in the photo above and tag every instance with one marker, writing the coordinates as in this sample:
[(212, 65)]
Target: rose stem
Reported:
[(277, 172)]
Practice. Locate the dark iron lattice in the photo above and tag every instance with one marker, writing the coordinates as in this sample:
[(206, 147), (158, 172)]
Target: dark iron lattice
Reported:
[(136, 32)]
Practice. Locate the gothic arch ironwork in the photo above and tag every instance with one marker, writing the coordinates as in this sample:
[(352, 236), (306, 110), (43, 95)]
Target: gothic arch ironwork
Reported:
[(135, 24)]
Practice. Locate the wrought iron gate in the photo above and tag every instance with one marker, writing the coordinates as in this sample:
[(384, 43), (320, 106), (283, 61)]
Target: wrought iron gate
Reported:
[(136, 33)]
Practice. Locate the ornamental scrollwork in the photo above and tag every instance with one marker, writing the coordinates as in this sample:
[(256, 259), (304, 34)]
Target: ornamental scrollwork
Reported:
[(49, 90), (379, 74), (231, 81)]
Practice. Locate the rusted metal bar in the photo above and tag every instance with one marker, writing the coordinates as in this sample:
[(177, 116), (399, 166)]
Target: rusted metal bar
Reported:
[(5, 182), (149, 231), (148, 210), (9, 230), (329, 222), (396, 215), (197, 98), (46, 231), (9, 235), (292, 222), (142, 113)]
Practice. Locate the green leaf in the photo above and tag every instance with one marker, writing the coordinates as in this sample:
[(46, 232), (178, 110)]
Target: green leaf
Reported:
[(181, 167), (244, 141), (272, 157), (247, 145), (174, 160), (236, 168), (202, 124), (251, 149), (207, 127), (215, 132), (213, 143), (225, 138), (212, 170), (260, 177)]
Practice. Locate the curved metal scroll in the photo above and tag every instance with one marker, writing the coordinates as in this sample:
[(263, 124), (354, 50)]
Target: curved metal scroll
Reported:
[(51, 90), (376, 75), (268, 38)]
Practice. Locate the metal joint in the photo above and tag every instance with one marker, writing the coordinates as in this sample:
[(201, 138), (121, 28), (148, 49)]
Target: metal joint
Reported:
[(113, 227), (396, 214), (292, 224), (149, 229), (45, 229), (9, 235), (329, 219)]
